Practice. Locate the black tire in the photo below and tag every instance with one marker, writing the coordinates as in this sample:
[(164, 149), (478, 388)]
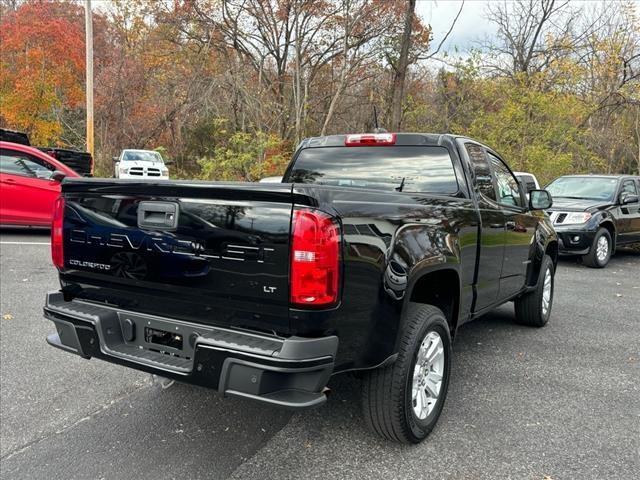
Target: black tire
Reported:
[(387, 403), (529, 307), (591, 259)]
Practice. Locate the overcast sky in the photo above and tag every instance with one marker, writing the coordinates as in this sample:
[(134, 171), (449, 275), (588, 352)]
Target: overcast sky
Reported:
[(472, 24)]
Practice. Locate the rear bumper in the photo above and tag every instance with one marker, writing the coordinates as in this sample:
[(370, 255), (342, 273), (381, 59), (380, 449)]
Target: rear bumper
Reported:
[(290, 372)]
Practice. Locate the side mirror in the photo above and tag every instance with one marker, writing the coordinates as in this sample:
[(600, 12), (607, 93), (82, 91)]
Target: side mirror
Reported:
[(627, 198), (57, 176), (115, 159), (540, 200), (168, 162)]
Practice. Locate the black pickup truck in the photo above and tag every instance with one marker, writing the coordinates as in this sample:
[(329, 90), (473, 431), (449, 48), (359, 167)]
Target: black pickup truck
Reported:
[(80, 162), (368, 257), (595, 214)]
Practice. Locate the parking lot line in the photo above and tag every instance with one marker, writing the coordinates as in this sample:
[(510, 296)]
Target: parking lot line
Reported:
[(25, 243)]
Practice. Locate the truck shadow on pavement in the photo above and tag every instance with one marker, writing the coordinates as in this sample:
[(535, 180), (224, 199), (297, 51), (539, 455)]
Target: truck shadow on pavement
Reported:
[(339, 421), (510, 385), (621, 255), (178, 432), (485, 333)]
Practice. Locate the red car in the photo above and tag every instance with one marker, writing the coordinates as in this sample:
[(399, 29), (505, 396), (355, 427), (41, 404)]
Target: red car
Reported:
[(29, 185)]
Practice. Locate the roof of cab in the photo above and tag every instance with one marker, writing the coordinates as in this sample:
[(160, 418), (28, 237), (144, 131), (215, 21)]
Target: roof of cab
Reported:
[(401, 139)]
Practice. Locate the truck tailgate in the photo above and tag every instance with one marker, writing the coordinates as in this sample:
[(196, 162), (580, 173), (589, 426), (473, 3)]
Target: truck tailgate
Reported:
[(216, 254)]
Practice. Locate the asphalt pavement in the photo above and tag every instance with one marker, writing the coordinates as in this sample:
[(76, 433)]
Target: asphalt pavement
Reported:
[(562, 402)]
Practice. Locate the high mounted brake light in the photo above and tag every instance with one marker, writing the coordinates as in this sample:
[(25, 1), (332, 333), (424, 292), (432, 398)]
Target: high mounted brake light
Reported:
[(370, 139), (57, 237), (315, 259)]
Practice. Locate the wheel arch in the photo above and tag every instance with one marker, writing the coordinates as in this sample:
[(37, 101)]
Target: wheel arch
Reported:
[(441, 288), (546, 244), (611, 228), (553, 250)]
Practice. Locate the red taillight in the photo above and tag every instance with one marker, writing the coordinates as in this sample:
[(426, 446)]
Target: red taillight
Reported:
[(91, 166), (315, 259), (57, 238), (370, 139)]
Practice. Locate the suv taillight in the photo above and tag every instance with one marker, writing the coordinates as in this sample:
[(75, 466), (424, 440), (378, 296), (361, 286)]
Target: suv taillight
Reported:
[(57, 238), (315, 259)]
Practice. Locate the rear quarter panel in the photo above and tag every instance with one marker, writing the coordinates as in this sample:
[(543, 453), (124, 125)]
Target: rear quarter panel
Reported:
[(390, 241)]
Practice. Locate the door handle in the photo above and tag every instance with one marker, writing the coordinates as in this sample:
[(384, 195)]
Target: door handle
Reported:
[(158, 215), (8, 180)]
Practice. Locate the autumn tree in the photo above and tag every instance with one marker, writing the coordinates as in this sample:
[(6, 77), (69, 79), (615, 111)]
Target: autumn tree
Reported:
[(226, 88), (590, 57), (42, 70), (408, 46)]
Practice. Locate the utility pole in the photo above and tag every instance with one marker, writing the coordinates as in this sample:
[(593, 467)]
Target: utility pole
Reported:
[(88, 28)]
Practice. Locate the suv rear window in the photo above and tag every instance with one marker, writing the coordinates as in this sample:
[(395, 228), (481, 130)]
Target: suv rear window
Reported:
[(424, 169)]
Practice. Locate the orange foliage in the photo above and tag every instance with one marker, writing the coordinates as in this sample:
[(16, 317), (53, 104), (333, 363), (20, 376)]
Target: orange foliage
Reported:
[(41, 67)]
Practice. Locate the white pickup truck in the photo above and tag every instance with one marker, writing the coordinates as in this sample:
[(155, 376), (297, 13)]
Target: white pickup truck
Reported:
[(140, 164)]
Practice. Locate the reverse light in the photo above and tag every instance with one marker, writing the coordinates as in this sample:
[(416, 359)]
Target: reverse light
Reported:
[(370, 139), (575, 218), (57, 237), (315, 259)]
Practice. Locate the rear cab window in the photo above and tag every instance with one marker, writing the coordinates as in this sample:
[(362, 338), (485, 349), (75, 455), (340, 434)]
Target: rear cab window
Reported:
[(412, 169)]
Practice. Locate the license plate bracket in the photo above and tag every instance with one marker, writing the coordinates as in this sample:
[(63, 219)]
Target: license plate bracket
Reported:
[(164, 338)]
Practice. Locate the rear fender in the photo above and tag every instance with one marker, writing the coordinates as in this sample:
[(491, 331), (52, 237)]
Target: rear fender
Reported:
[(435, 279)]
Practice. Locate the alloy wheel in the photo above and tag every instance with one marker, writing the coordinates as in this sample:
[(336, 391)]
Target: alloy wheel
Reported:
[(602, 248), (546, 292), (427, 375)]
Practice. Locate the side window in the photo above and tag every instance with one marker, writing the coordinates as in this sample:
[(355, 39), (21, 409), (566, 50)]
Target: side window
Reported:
[(528, 182), (481, 170), (629, 186), (23, 164), (508, 191)]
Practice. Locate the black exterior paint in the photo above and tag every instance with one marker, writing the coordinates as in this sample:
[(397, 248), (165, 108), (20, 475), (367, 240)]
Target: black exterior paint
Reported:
[(226, 264), (623, 221)]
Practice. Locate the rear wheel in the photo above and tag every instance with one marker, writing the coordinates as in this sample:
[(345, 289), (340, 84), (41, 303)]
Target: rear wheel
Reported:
[(402, 402), (600, 251), (534, 308)]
